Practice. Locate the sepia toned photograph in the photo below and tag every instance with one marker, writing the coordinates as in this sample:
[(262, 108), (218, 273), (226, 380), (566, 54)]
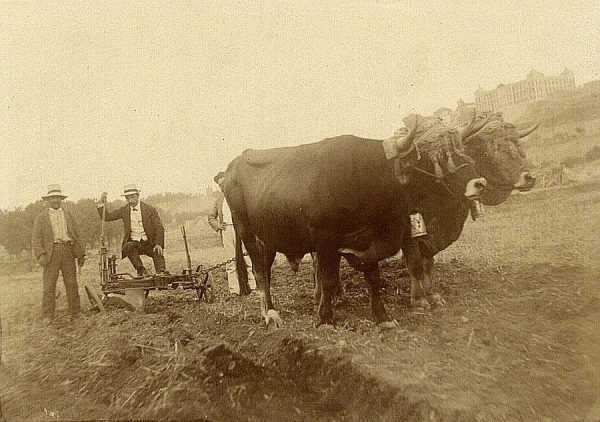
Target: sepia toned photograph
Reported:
[(311, 210)]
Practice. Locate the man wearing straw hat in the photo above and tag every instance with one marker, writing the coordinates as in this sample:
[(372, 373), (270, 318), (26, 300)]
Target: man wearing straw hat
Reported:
[(56, 246), (144, 233)]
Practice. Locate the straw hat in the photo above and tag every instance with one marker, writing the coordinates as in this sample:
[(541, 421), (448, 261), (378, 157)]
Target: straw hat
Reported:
[(54, 190), (130, 189)]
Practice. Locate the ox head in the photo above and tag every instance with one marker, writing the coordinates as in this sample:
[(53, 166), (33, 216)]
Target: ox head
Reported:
[(499, 158), (442, 157)]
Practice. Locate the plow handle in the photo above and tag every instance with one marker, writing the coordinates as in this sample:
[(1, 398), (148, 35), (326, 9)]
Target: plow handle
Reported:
[(187, 250), (104, 269)]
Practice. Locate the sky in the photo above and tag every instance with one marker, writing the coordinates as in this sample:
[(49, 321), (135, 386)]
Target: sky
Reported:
[(96, 95)]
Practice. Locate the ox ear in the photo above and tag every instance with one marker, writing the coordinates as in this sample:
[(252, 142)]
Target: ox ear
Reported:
[(524, 133), (473, 127)]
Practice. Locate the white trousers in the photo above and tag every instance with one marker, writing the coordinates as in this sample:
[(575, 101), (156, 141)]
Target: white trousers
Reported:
[(232, 277)]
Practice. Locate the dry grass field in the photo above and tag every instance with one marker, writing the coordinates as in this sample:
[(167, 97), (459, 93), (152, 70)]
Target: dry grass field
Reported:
[(519, 338)]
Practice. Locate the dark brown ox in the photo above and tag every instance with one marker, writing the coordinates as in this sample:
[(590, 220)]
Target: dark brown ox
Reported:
[(340, 196), (498, 157)]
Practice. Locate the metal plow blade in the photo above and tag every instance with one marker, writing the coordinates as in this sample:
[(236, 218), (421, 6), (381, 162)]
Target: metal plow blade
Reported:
[(135, 297)]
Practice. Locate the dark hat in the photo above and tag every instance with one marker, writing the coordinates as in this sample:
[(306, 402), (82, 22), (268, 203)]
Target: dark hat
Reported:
[(218, 176)]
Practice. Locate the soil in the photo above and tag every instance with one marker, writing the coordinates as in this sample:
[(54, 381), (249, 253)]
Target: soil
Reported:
[(517, 340)]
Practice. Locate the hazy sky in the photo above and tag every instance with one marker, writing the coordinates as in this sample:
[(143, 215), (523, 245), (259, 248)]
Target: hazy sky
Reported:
[(94, 95)]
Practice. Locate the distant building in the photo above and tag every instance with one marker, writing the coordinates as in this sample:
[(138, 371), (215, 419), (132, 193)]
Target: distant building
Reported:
[(463, 114), (535, 87)]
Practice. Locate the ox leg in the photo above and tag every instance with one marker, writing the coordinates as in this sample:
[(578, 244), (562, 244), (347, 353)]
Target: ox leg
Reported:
[(262, 259), (317, 287), (428, 285), (414, 264), (381, 317), (339, 291), (267, 309), (327, 270)]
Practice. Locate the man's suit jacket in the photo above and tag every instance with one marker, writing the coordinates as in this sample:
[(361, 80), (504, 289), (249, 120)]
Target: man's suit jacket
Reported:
[(153, 227), (42, 239)]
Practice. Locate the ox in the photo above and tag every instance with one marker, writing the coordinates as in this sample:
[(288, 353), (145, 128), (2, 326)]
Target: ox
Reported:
[(494, 148), (343, 196), (497, 156)]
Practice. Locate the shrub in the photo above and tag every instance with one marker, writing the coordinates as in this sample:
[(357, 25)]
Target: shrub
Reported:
[(593, 154), (571, 161)]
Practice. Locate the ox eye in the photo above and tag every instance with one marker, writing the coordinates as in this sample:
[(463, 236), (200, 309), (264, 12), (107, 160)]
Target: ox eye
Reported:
[(513, 150)]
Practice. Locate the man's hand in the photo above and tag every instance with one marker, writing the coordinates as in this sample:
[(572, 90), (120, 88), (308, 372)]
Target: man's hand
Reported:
[(158, 249), (103, 197), (80, 261), (222, 226), (42, 260)]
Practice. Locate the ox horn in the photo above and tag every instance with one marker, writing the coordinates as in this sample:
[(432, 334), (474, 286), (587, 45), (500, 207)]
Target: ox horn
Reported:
[(472, 128), (524, 133), (406, 143)]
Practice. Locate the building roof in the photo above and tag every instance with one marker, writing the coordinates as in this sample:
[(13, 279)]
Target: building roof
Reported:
[(534, 74)]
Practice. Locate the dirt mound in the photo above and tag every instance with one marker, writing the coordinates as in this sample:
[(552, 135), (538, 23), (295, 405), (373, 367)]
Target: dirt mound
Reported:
[(343, 390)]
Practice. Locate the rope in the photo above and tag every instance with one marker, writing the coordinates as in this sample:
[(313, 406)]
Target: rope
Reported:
[(440, 180)]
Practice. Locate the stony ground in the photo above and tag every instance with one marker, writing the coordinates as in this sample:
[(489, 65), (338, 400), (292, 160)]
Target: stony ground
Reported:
[(517, 340)]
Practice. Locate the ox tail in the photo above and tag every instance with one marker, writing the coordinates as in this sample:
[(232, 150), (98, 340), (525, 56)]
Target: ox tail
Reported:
[(240, 265)]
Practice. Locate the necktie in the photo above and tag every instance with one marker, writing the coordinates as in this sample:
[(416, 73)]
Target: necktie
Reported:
[(134, 209)]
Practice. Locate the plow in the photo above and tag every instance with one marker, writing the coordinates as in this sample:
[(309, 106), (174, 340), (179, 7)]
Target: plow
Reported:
[(135, 289)]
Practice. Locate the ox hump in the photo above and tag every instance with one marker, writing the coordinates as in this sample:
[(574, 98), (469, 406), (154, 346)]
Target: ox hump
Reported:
[(264, 157)]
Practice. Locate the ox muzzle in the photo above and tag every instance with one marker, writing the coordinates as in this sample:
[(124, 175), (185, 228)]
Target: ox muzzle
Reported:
[(526, 182), (475, 188)]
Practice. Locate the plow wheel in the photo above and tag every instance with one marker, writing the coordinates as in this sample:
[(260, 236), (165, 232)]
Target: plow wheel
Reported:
[(205, 292), (95, 300)]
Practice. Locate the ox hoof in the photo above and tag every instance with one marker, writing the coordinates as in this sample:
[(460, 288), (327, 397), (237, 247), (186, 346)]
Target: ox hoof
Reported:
[(420, 304), (387, 325), (273, 319), (437, 300)]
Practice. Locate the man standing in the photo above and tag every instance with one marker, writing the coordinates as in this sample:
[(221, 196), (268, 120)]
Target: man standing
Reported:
[(56, 245), (144, 233), (220, 220)]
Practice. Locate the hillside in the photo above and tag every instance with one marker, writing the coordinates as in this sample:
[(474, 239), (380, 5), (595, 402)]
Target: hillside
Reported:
[(190, 211), (568, 139)]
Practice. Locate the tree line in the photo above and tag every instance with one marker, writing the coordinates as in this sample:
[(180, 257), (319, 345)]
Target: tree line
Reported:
[(16, 225)]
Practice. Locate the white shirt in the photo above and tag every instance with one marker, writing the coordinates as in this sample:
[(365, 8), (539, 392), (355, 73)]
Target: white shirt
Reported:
[(59, 225), (137, 227), (226, 213)]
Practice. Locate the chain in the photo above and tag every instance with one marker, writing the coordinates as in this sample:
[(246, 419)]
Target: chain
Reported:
[(220, 264)]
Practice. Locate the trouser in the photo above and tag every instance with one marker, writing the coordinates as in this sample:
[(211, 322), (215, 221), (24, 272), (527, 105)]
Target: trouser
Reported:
[(232, 277), (133, 250), (63, 260)]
